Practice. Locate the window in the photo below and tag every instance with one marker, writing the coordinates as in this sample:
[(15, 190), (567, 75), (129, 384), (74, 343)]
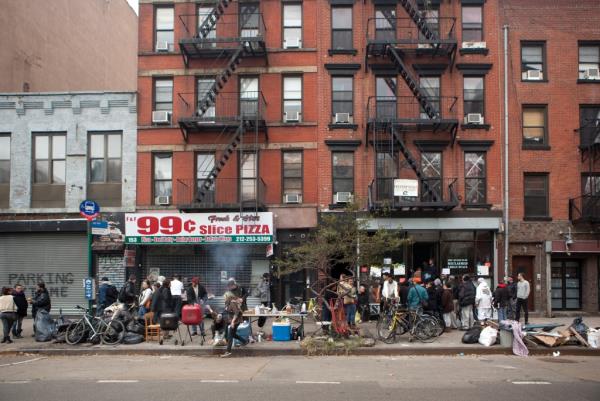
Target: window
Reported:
[(163, 94), (431, 89), (4, 159), (473, 95), (535, 130), (164, 20), (472, 24), (203, 86), (475, 174), (292, 173), (205, 162), (536, 195), (105, 157), (431, 167), (385, 23), (163, 175), (589, 125), (386, 173), (249, 96), (292, 26), (589, 59), (432, 18), (203, 13), (248, 174), (341, 28), (385, 91), (50, 151), (292, 98), (343, 172), (533, 57), (342, 95), (590, 184), (249, 20)]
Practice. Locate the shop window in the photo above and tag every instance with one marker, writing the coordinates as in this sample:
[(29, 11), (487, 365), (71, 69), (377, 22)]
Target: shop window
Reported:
[(535, 127), (341, 28), (164, 20), (475, 178), (533, 60), (292, 26), (536, 195)]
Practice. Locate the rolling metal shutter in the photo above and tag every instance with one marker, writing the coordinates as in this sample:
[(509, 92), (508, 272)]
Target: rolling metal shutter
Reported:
[(58, 259)]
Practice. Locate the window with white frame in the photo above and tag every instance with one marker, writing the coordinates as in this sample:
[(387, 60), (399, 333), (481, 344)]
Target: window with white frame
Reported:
[(292, 26), (164, 20), (163, 175), (589, 62), (4, 159), (50, 159), (105, 157)]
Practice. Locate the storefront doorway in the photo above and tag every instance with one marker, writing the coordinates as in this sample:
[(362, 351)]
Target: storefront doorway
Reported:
[(524, 264), (422, 252), (566, 284)]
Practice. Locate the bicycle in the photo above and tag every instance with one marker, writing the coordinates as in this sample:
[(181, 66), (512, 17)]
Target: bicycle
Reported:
[(399, 321), (110, 332)]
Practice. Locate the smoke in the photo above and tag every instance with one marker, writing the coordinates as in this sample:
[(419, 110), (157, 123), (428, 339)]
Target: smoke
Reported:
[(232, 259)]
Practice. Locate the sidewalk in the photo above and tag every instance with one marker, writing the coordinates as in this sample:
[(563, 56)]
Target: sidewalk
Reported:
[(446, 344)]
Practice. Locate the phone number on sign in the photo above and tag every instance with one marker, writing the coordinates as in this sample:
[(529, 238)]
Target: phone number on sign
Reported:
[(245, 238)]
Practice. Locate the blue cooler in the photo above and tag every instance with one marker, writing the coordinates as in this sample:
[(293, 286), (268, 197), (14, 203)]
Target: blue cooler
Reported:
[(282, 331), (243, 331)]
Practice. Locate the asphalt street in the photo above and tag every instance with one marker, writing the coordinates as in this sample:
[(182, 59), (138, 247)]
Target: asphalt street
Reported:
[(148, 378)]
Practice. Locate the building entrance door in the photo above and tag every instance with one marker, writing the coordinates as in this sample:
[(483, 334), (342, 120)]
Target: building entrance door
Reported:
[(566, 284), (422, 252), (524, 264)]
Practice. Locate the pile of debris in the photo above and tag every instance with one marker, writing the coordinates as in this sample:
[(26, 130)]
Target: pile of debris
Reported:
[(550, 335)]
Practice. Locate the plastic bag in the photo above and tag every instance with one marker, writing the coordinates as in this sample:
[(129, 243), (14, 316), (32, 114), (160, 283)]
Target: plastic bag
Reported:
[(135, 327), (488, 336), (132, 338), (593, 338), (472, 335), (44, 326), (580, 327)]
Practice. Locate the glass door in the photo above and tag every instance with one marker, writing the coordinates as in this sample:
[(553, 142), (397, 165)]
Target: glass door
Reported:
[(566, 284)]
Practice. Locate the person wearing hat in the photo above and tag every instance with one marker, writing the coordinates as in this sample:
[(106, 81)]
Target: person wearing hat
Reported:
[(107, 295), (417, 295)]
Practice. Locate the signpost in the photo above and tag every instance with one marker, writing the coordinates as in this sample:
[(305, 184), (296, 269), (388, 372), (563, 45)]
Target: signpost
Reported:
[(99, 227), (90, 210)]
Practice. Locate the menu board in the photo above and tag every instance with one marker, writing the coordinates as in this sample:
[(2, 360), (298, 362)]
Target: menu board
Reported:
[(462, 263)]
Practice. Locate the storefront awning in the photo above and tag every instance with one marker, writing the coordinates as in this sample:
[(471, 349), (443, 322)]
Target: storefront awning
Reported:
[(435, 223)]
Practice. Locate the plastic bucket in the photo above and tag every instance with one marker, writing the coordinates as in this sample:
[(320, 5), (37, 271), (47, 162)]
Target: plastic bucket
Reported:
[(506, 338), (593, 338)]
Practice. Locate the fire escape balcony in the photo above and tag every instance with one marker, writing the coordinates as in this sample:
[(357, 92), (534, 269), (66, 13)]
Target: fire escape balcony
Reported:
[(585, 209), (224, 194), (443, 196)]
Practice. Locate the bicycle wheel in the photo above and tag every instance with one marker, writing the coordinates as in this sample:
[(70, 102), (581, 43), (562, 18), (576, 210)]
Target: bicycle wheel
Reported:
[(75, 333), (386, 328), (113, 332), (425, 330)]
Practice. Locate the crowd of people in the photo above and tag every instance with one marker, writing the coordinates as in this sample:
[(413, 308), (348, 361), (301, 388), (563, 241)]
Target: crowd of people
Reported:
[(14, 305)]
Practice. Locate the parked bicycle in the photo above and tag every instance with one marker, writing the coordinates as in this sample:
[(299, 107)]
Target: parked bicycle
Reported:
[(110, 332), (396, 321)]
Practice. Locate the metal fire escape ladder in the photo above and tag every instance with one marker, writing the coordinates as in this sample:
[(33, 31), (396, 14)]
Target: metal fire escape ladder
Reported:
[(211, 19), (415, 14), (411, 81)]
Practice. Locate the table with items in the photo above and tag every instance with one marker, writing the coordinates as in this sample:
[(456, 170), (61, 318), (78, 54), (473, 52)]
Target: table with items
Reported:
[(252, 316)]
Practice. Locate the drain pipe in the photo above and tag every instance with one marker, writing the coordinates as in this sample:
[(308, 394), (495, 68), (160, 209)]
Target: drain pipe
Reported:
[(506, 180)]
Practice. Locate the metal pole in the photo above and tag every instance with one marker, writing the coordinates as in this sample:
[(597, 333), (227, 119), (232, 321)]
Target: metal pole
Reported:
[(506, 178), (90, 258)]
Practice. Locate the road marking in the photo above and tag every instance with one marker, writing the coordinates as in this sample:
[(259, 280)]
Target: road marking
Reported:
[(28, 361), (117, 381), (531, 382), (17, 382), (315, 382), (219, 381), (505, 367)]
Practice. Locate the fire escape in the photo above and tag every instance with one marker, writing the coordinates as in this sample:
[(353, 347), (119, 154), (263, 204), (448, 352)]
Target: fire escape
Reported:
[(397, 111), (586, 208), (226, 106)]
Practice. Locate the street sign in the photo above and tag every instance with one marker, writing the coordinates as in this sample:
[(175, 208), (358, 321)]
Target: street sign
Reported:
[(88, 285), (89, 209), (100, 227)]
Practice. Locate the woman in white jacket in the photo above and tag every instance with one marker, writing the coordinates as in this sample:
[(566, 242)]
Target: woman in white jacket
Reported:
[(483, 300)]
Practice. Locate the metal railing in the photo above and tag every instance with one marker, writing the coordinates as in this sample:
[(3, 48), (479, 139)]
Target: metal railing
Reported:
[(393, 108), (228, 106), (585, 208), (225, 193), (404, 30), (229, 29), (381, 195)]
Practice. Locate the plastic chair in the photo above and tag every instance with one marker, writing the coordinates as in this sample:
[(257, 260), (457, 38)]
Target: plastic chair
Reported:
[(152, 330)]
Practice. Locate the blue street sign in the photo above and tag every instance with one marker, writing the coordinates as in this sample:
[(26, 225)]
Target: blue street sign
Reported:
[(88, 285), (89, 209)]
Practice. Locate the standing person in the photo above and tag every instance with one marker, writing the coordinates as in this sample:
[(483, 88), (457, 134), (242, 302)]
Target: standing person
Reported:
[(439, 291), (417, 295), (430, 270), (483, 300), (466, 300), (403, 290), (523, 290), (347, 291), (512, 291), (8, 313), (176, 290), (432, 304), (389, 291), (164, 303), (127, 294), (154, 303), (197, 295), (40, 301), (22, 305), (501, 301), (364, 307), (233, 306), (145, 299), (448, 308), (107, 295), (263, 291)]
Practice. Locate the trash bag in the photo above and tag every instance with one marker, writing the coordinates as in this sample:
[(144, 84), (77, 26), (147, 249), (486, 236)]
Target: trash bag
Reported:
[(135, 327), (580, 327), (44, 326), (60, 338), (472, 335), (124, 316), (132, 338), (488, 336)]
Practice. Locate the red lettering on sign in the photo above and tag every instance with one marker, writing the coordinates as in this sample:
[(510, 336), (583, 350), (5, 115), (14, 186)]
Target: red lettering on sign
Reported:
[(189, 226), (170, 225), (147, 225)]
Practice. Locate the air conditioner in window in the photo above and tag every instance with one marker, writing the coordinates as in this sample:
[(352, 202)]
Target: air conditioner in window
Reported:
[(342, 118), (534, 75), (292, 43), (291, 116), (424, 46), (161, 117), (474, 45), (293, 198), (474, 118), (591, 73), (162, 46), (162, 200), (343, 197)]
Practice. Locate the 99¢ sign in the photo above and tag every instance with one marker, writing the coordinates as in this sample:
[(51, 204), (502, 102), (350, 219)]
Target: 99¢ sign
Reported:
[(164, 228)]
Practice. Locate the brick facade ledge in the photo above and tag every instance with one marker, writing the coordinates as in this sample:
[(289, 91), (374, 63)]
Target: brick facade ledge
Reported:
[(333, 52), (353, 127), (481, 50), (475, 126), (588, 81)]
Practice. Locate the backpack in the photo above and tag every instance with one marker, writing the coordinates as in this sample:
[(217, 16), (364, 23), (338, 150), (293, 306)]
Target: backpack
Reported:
[(111, 295)]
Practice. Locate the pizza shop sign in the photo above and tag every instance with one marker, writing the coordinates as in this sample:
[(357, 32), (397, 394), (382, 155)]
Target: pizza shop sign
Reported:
[(198, 228)]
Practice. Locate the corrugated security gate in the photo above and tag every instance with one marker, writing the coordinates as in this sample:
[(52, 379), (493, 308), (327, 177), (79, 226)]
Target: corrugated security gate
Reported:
[(58, 259)]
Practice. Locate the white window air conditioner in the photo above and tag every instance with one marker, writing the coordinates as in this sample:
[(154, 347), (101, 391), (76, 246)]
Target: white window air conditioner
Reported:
[(162, 200), (474, 45), (474, 118), (291, 116), (343, 197), (342, 118), (534, 75), (161, 117), (162, 46), (293, 198), (291, 43), (424, 46), (591, 73)]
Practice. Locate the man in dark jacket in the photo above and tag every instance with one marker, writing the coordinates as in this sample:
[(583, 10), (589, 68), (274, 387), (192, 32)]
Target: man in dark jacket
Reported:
[(197, 295), (107, 295), (501, 301), (364, 304), (21, 302), (127, 294), (466, 300), (512, 291), (40, 301)]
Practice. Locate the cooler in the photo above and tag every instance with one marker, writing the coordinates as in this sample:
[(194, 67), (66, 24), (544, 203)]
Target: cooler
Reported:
[(282, 331)]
